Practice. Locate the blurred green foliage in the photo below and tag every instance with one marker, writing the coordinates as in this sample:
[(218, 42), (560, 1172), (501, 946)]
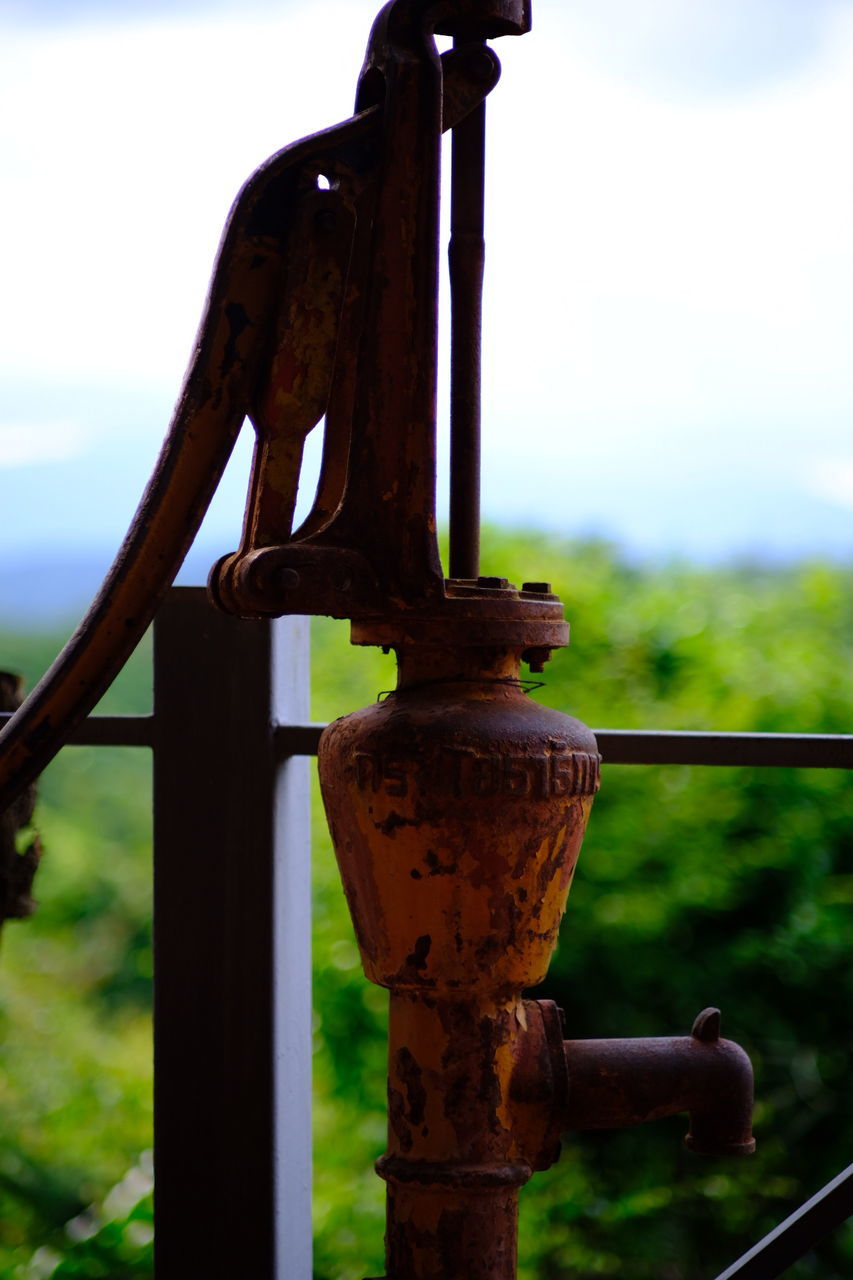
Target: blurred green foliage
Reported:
[(696, 886)]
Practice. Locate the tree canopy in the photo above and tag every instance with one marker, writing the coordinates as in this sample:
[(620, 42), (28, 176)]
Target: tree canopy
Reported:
[(696, 886)]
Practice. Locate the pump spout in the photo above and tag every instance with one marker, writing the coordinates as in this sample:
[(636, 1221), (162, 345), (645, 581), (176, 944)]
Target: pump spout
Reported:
[(617, 1083)]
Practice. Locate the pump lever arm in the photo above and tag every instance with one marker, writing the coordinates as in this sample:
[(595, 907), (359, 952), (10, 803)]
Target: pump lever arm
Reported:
[(252, 318), (225, 365), (369, 545)]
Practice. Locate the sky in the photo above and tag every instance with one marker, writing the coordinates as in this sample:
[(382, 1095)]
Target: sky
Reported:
[(669, 275)]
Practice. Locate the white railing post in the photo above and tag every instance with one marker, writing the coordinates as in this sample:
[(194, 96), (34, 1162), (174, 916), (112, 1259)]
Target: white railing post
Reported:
[(292, 959)]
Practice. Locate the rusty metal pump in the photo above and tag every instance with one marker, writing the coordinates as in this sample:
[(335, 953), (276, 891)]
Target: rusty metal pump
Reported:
[(457, 805)]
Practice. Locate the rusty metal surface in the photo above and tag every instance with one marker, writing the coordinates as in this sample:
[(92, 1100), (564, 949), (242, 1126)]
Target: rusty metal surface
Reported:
[(466, 256), (457, 790), (368, 549), (457, 808), (617, 1083)]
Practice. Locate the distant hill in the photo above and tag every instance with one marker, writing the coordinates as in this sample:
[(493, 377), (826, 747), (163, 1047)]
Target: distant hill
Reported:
[(51, 590)]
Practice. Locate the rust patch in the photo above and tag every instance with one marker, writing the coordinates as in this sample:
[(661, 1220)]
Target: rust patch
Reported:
[(397, 1119), (411, 1077), (388, 826), (437, 867), (417, 959)]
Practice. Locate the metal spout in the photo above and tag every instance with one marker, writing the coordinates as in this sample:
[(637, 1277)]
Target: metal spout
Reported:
[(617, 1083)]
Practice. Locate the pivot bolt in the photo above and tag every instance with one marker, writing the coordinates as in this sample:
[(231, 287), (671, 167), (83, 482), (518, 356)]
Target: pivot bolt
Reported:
[(325, 220)]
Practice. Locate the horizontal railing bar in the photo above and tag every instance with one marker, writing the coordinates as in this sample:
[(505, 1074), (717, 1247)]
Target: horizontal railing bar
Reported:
[(652, 746), (617, 746), (779, 1250), (670, 746), (108, 731), (779, 750), (297, 739)]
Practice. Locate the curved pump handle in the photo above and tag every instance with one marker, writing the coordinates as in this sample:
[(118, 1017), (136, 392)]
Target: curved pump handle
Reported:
[(369, 548), (278, 249)]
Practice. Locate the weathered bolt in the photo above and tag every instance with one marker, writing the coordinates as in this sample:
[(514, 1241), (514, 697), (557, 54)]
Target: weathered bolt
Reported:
[(482, 65), (536, 659), (286, 579), (325, 220), (540, 588), (500, 584)]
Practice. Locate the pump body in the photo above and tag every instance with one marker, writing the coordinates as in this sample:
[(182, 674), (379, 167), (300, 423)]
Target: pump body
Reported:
[(457, 805), (457, 808)]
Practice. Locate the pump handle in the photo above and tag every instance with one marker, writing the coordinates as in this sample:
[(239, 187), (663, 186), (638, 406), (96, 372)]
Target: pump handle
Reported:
[(281, 341)]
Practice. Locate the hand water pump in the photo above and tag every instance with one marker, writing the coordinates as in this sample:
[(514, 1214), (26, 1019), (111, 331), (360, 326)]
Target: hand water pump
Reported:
[(457, 805)]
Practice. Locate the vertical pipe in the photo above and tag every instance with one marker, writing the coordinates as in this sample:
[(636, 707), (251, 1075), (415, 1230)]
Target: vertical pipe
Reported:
[(466, 256), (452, 1177)]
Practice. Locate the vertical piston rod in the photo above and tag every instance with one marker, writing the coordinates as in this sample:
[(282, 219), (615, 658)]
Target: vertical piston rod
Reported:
[(466, 257)]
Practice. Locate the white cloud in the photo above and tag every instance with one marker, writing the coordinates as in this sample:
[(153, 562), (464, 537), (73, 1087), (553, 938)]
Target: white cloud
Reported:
[(701, 248), (25, 444), (832, 479), (674, 260), (121, 148), (666, 273), (693, 49)]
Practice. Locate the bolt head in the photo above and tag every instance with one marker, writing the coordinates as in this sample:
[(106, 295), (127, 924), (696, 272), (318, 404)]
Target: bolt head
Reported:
[(326, 220), (536, 659)]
